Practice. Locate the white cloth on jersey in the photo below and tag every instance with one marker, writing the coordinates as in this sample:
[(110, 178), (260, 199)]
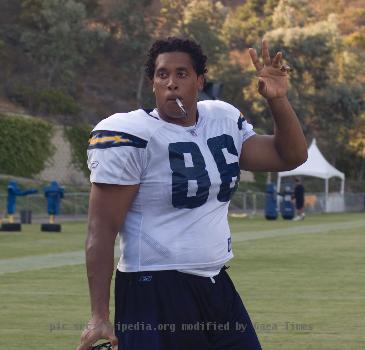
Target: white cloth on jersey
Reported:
[(178, 219), (209, 271)]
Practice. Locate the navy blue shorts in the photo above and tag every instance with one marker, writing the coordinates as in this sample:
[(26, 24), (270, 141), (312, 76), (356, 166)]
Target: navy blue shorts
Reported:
[(171, 310), (299, 203)]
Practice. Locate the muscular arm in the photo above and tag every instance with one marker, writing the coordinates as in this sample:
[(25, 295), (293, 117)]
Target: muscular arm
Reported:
[(284, 150), (287, 148), (108, 207)]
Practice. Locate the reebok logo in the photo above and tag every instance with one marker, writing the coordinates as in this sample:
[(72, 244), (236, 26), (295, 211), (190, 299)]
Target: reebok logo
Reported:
[(94, 164), (147, 278)]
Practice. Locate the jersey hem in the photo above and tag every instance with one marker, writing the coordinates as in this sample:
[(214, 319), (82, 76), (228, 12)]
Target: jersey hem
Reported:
[(250, 134), (110, 182), (134, 268)]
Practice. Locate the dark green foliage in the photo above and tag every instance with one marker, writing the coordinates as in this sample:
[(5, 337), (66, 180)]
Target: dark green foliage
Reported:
[(56, 38), (25, 145), (325, 96), (131, 25), (248, 22), (54, 101), (85, 58), (234, 79), (44, 101), (78, 136)]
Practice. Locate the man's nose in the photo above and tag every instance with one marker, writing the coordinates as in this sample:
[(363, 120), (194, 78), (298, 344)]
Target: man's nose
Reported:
[(172, 85)]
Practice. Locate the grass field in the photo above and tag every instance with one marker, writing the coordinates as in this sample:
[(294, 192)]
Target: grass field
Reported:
[(302, 282)]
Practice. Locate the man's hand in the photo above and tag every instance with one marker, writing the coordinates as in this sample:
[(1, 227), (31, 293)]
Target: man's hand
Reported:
[(273, 77), (96, 330)]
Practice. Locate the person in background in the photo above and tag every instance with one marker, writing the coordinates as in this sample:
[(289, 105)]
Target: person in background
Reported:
[(299, 199)]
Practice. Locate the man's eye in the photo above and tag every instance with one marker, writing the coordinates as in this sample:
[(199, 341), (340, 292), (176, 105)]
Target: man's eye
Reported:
[(182, 74), (162, 75)]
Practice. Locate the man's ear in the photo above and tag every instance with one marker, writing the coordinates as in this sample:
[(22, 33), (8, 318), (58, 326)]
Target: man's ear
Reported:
[(200, 82)]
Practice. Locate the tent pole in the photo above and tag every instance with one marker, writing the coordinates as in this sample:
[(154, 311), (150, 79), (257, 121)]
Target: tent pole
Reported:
[(278, 183), (342, 186), (326, 194)]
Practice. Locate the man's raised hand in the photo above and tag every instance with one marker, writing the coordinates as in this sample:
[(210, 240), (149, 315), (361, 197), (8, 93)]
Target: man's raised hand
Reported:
[(273, 77)]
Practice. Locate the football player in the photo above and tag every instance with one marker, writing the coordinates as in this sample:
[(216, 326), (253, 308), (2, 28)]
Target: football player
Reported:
[(163, 179)]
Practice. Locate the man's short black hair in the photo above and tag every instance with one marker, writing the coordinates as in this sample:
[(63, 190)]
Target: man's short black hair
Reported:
[(174, 44)]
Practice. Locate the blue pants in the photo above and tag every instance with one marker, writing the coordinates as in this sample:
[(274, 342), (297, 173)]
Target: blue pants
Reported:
[(171, 310)]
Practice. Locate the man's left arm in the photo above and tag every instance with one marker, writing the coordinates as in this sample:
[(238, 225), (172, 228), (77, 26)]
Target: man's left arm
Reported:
[(287, 148)]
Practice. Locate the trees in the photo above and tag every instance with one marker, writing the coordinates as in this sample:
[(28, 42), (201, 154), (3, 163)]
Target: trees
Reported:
[(94, 50), (57, 38), (201, 20), (132, 26), (206, 21), (324, 88), (248, 23), (292, 13)]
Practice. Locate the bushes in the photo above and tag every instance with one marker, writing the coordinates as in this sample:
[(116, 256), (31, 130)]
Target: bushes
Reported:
[(78, 137), (25, 145), (54, 101), (44, 101)]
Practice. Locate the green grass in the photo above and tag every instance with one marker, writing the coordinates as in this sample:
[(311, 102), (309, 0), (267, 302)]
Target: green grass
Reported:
[(303, 291), (315, 282), (33, 242)]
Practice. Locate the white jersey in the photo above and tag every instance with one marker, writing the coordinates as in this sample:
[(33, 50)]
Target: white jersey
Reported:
[(187, 176)]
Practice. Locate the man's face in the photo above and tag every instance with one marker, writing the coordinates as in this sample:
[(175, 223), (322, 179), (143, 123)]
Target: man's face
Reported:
[(174, 78)]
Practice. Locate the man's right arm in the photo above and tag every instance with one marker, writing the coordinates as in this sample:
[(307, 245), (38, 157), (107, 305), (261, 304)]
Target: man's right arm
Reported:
[(108, 207)]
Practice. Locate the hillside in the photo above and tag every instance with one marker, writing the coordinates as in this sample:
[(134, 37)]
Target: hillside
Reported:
[(78, 61)]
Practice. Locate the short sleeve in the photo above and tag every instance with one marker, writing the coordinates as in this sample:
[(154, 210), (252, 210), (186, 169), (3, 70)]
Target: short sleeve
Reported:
[(218, 109), (115, 158), (245, 128)]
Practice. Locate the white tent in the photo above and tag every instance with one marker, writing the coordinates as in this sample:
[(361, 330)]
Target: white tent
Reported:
[(316, 166)]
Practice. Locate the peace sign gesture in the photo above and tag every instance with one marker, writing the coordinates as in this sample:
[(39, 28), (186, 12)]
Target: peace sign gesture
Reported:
[(273, 76)]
